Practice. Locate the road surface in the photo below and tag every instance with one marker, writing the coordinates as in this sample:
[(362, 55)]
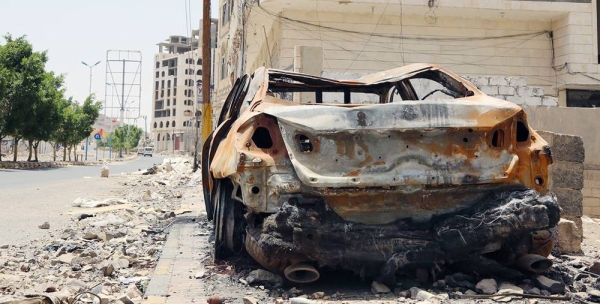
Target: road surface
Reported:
[(29, 198), (16, 179)]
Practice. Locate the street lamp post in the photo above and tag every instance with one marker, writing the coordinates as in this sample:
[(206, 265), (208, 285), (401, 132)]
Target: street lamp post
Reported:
[(145, 128), (87, 139)]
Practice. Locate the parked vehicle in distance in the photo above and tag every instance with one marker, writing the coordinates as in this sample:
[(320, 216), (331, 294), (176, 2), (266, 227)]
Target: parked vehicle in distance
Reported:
[(146, 151), (407, 168)]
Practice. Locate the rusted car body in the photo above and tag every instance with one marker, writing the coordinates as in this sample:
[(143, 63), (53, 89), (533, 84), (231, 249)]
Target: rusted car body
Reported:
[(411, 166)]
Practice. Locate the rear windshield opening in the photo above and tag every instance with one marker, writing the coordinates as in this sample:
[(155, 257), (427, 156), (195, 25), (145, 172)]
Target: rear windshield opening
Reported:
[(427, 85)]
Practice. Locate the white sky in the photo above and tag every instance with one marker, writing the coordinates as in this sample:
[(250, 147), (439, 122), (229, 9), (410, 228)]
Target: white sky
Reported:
[(76, 30)]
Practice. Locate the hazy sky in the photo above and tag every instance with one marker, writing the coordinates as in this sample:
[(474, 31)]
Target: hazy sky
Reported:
[(76, 30)]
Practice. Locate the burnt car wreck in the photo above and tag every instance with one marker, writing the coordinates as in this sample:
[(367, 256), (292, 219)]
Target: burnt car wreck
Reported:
[(411, 167)]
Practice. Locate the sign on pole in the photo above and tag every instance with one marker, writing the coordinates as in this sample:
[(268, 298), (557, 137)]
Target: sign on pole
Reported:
[(97, 136)]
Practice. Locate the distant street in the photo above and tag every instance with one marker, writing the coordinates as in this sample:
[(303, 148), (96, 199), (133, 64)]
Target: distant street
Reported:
[(17, 179)]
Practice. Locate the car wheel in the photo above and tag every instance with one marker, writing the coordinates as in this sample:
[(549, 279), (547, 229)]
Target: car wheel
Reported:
[(230, 225)]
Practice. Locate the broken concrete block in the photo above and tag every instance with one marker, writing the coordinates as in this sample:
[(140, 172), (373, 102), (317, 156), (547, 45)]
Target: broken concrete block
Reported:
[(568, 148), (249, 300), (104, 171), (377, 287), (567, 174), (260, 276), (45, 225), (545, 283), (569, 237), (570, 200), (487, 286)]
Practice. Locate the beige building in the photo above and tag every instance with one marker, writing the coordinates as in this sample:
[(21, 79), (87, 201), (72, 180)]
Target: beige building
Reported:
[(539, 53), (553, 44), (175, 97)]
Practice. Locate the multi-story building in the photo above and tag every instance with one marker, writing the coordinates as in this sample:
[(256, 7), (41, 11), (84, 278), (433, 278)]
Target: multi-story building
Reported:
[(176, 98)]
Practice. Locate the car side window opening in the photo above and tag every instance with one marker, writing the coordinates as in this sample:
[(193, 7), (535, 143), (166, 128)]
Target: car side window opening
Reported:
[(432, 85)]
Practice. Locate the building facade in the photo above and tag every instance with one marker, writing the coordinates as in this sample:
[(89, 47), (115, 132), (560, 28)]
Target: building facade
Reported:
[(552, 44), (175, 96)]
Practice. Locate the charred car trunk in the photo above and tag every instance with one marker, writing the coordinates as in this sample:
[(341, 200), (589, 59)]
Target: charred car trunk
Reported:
[(424, 169)]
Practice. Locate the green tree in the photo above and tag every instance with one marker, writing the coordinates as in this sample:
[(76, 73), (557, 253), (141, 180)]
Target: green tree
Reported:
[(126, 137), (45, 116), (21, 78), (76, 124)]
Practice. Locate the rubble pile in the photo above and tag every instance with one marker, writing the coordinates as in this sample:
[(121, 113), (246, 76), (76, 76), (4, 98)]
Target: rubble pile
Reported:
[(110, 247)]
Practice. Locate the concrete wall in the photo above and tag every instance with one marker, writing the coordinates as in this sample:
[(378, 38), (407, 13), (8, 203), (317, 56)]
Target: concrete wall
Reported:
[(566, 181), (584, 123), (513, 89)]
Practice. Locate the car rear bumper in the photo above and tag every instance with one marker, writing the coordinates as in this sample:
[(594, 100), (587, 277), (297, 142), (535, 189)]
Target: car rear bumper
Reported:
[(314, 233)]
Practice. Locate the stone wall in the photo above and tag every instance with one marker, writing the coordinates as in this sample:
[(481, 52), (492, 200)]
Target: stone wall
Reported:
[(513, 89), (566, 181), (591, 191)]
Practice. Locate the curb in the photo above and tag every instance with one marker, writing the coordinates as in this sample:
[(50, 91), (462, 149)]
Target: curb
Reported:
[(24, 165)]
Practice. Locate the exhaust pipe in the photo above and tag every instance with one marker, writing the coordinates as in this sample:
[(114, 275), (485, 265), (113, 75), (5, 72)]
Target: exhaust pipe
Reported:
[(301, 273), (534, 263)]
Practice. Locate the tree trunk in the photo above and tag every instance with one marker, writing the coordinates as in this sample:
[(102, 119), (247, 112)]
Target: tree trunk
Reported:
[(15, 148), (29, 145), (53, 151), (35, 150), (69, 153), (64, 153)]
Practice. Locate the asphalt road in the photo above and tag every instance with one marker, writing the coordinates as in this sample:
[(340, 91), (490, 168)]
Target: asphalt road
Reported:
[(15, 179)]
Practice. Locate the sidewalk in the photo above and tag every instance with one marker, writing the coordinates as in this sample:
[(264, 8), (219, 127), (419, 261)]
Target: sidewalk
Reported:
[(187, 246)]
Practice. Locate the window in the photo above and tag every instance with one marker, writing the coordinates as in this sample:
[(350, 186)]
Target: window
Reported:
[(157, 64), (162, 93), (186, 71), (223, 69), (168, 83), (167, 124), (224, 12), (157, 74), (158, 137), (583, 98), (173, 124), (156, 85), (174, 82), (174, 111), (168, 102), (162, 84), (168, 92), (161, 124), (174, 102), (175, 91), (199, 61), (163, 73), (154, 125), (199, 72)]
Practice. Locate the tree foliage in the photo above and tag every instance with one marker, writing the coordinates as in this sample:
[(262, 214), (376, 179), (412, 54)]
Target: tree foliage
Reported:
[(126, 137), (33, 106)]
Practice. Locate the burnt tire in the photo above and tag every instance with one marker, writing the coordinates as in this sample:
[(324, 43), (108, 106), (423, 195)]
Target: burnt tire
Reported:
[(230, 225)]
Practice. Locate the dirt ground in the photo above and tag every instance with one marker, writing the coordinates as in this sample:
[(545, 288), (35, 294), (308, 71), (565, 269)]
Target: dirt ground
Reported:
[(25, 209)]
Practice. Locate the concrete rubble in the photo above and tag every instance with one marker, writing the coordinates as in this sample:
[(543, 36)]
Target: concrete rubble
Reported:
[(112, 246), (109, 248)]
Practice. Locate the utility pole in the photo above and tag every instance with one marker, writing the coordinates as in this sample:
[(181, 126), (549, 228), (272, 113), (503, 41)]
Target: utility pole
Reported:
[(87, 139), (206, 81), (145, 129)]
